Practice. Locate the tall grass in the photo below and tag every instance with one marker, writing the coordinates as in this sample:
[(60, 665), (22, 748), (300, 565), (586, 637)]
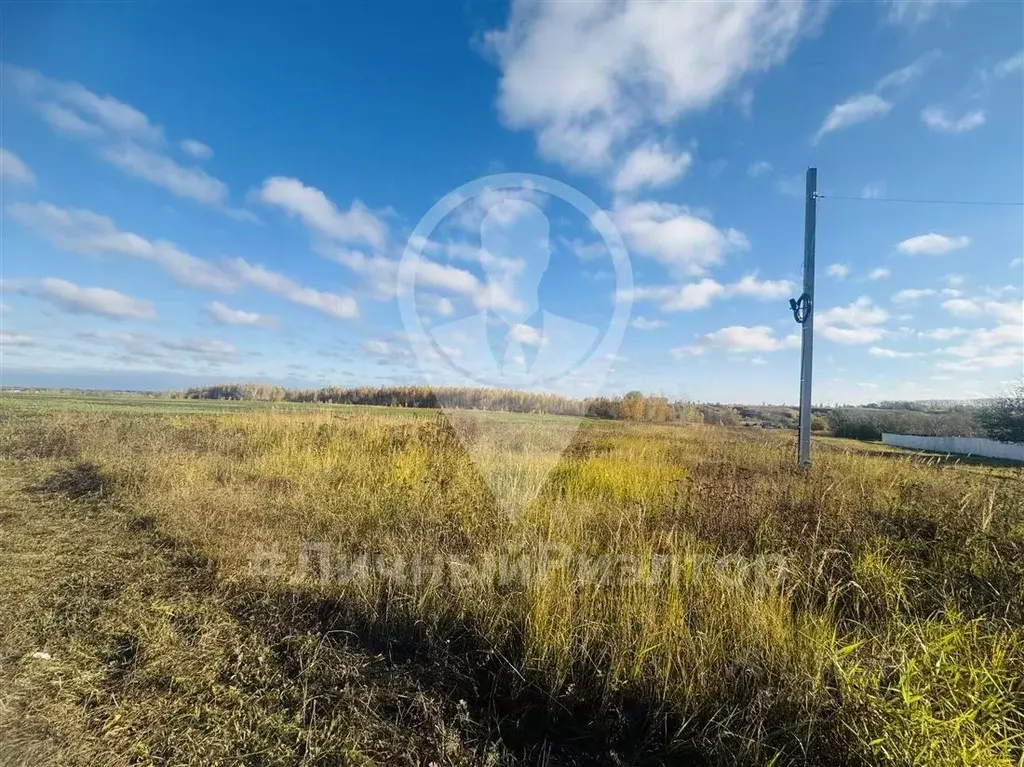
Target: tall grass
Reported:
[(688, 578)]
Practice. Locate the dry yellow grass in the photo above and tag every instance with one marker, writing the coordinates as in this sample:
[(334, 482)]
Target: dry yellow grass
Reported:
[(670, 593)]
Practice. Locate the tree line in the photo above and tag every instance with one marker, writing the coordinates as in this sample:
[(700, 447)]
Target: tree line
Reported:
[(633, 406), (1001, 418)]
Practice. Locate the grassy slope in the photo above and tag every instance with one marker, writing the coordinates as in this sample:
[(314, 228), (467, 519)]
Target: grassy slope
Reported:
[(893, 638), (153, 661)]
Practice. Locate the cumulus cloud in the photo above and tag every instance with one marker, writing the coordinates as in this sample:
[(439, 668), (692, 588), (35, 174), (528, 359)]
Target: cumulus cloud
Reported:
[(642, 323), (106, 112), (674, 236), (161, 170), (1009, 66), (911, 13), (908, 74), (911, 294), (857, 109), (932, 244), (196, 149), (225, 315), (839, 271), (740, 339), (331, 304), (201, 347), (87, 233), (856, 323), (584, 77), (16, 339), (891, 353), (759, 168), (315, 210), (995, 347), (650, 165), (699, 295), (871, 106), (126, 137), (880, 273), (100, 301), (13, 169), (941, 334), (939, 120)]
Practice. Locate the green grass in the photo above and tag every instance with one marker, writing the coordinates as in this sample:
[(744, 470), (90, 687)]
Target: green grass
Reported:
[(689, 595)]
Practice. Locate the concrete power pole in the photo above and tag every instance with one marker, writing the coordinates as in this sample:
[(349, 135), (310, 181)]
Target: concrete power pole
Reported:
[(803, 313)]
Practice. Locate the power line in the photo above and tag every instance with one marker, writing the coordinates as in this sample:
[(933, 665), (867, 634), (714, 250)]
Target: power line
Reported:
[(996, 203)]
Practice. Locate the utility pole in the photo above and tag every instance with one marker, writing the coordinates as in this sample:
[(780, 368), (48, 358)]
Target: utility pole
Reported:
[(803, 313)]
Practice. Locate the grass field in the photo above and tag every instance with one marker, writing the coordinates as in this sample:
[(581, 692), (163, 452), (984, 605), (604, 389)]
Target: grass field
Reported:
[(229, 583)]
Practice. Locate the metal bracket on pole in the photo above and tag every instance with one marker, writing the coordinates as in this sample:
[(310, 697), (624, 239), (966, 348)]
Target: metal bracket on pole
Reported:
[(803, 313)]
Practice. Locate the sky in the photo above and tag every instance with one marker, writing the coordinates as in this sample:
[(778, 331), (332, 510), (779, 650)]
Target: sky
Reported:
[(201, 193)]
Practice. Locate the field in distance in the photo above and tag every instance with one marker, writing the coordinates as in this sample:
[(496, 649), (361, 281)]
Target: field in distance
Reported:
[(199, 582)]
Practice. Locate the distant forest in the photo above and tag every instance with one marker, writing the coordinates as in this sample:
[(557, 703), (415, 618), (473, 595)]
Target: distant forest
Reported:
[(633, 406), (925, 419)]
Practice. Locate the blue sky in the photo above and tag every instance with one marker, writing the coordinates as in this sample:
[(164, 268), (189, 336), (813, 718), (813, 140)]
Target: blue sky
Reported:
[(210, 193)]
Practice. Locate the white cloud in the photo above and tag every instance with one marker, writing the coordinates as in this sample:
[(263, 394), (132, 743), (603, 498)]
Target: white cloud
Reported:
[(586, 76), (937, 119), (698, 295), (1016, 262), (201, 346), (932, 244), (127, 138), (526, 334), (1001, 346), (196, 149), (872, 191), (13, 169), (106, 112), (759, 168), (87, 233), (852, 336), (766, 290), (101, 301), (225, 315), (909, 73), (941, 334), (159, 169), (357, 224), (962, 307), (1010, 311), (650, 165), (1008, 66), (857, 109), (877, 351), (675, 237), (914, 12), (740, 339), (955, 279), (642, 323), (860, 312), (856, 323), (911, 294), (880, 273), (839, 271), (63, 120), (331, 304), (443, 307), (15, 339), (388, 351)]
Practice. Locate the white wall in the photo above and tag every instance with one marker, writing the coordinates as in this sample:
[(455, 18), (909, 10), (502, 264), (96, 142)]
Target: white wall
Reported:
[(1012, 451)]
